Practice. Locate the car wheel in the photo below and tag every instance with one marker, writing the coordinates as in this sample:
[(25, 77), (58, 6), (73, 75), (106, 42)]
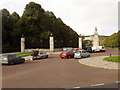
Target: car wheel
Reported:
[(81, 57), (69, 57), (23, 61), (46, 56), (62, 57), (10, 63)]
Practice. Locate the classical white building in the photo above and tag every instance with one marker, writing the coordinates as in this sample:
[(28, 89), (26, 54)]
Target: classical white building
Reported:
[(94, 38)]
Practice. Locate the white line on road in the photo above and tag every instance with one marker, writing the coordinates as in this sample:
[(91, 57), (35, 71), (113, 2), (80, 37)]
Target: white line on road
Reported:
[(76, 87), (72, 88), (117, 82), (97, 85)]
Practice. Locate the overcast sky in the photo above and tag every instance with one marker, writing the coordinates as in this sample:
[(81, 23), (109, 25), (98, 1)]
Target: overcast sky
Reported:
[(81, 15)]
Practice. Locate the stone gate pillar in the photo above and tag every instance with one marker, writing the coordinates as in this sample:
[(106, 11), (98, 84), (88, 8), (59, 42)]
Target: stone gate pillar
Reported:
[(51, 41), (22, 44), (80, 41)]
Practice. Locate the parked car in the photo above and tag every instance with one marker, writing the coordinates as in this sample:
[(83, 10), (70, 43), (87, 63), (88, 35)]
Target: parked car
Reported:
[(12, 59), (67, 48), (98, 48), (39, 55), (88, 49), (81, 54), (67, 54)]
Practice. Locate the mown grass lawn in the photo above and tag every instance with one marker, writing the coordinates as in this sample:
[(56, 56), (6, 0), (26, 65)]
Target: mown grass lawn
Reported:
[(24, 54), (113, 59)]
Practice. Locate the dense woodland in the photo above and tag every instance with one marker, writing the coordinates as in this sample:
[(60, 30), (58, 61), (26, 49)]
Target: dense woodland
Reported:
[(35, 25), (112, 41)]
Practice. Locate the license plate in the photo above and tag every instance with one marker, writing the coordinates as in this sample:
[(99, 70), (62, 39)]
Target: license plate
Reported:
[(77, 54)]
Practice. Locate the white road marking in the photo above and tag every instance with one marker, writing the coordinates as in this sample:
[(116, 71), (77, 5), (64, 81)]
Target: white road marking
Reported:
[(94, 85), (117, 82), (76, 87), (97, 85)]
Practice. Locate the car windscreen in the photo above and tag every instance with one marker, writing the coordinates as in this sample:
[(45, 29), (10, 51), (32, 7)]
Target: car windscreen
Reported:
[(79, 51), (41, 53), (35, 53), (4, 56), (67, 52)]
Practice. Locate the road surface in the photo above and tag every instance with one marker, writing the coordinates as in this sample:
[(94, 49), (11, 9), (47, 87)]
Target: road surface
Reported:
[(55, 72)]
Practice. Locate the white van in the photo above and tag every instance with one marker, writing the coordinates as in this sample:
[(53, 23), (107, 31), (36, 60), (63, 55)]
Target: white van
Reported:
[(98, 48), (102, 48), (95, 49)]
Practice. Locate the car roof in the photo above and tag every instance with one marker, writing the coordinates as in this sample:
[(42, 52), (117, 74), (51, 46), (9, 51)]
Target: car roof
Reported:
[(9, 55), (82, 50), (66, 51)]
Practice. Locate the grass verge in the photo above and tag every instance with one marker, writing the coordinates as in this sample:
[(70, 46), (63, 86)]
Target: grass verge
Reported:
[(24, 54), (113, 59)]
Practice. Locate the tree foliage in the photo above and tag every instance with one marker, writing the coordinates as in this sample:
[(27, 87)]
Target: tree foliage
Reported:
[(36, 25), (87, 43), (111, 41)]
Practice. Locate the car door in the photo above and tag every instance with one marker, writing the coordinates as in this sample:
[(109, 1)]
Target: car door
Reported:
[(42, 55), (16, 59), (39, 55), (19, 59), (72, 54), (84, 54), (13, 59)]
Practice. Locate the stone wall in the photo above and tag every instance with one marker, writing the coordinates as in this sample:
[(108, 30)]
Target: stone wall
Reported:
[(44, 50)]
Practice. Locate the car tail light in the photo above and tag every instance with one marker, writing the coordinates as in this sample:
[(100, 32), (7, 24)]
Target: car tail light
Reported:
[(80, 54)]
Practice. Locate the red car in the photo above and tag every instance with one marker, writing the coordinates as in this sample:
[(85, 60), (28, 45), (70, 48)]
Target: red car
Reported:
[(67, 54)]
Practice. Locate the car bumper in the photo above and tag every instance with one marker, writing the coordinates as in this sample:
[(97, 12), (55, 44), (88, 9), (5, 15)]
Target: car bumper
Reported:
[(77, 56), (4, 62), (63, 56)]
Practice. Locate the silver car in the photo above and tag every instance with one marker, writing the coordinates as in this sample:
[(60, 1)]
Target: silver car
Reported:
[(38, 55), (81, 54)]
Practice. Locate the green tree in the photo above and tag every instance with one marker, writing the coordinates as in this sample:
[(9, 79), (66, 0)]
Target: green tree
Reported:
[(36, 25), (111, 41)]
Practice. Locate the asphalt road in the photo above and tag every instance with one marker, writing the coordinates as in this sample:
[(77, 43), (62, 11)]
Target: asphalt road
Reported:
[(55, 72)]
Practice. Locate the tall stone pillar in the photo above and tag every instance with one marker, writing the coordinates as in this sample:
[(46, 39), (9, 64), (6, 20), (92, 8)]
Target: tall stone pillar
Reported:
[(22, 44), (51, 43), (80, 41), (96, 38)]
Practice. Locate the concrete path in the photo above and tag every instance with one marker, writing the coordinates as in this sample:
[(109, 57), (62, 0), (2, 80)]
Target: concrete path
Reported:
[(98, 62)]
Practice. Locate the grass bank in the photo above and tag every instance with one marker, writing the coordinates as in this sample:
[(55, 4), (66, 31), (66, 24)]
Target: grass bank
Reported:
[(113, 59), (24, 54)]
